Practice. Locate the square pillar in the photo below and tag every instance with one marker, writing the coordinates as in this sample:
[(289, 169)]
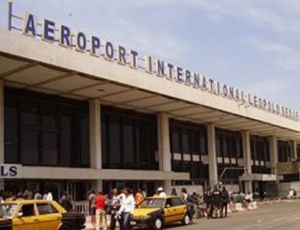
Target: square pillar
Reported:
[(1, 130), (247, 158), (273, 147), (95, 139), (294, 150), (212, 155), (164, 149)]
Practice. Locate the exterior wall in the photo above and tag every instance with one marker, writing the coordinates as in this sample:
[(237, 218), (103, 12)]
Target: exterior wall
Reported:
[(29, 48), (283, 188)]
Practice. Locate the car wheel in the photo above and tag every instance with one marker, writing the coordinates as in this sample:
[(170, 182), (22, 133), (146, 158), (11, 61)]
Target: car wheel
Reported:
[(186, 220), (157, 224)]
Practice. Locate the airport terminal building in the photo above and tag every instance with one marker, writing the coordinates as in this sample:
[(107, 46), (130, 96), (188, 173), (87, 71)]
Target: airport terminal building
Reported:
[(77, 112)]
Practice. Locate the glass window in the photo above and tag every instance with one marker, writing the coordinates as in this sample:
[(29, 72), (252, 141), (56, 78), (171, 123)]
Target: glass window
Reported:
[(185, 143), (175, 141), (128, 144), (104, 142), (7, 210), (114, 142), (46, 208), (11, 137), (30, 146), (176, 201), (27, 210), (129, 139), (203, 144), (195, 142), (39, 128), (66, 140), (29, 114), (49, 148), (85, 142), (219, 146), (49, 116)]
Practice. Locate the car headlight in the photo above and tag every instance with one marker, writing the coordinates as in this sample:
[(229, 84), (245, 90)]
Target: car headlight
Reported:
[(144, 217)]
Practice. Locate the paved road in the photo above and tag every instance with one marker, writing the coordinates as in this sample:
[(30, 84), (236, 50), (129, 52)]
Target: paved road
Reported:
[(280, 216)]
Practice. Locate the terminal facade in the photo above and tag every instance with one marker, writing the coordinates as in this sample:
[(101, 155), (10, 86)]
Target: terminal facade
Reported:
[(73, 120)]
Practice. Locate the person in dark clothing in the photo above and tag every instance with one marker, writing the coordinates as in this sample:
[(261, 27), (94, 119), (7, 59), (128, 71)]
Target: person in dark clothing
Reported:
[(216, 200), (65, 202), (207, 199), (225, 201)]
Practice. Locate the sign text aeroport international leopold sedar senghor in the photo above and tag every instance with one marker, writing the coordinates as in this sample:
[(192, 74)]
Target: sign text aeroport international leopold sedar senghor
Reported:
[(64, 36)]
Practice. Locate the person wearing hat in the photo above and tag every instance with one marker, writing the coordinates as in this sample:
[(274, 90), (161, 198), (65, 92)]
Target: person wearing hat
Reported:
[(160, 192)]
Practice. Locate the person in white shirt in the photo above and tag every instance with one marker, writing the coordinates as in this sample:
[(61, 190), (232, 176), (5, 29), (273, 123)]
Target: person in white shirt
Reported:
[(127, 209), (291, 193), (115, 206), (184, 194), (161, 193)]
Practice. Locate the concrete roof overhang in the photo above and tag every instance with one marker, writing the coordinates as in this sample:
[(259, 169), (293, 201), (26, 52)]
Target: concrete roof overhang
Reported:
[(32, 64)]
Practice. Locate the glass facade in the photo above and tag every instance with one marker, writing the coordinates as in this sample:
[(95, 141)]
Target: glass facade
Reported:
[(129, 139), (229, 149), (43, 130), (260, 154), (284, 151), (189, 150)]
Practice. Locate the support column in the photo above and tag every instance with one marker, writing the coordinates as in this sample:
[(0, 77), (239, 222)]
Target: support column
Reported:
[(247, 158), (273, 147), (95, 139), (294, 150), (1, 130), (164, 150), (212, 155)]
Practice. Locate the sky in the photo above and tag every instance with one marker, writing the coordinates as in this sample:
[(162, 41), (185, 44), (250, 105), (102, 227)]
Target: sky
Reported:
[(253, 45)]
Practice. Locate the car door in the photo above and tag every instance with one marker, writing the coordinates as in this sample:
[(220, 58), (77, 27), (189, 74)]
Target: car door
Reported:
[(27, 218), (169, 211), (179, 209), (49, 216)]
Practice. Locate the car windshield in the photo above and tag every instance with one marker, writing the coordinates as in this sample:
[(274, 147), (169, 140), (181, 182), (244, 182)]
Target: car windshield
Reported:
[(153, 203), (7, 210)]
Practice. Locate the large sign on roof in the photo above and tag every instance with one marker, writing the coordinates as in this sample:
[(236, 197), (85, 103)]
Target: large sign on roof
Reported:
[(64, 36)]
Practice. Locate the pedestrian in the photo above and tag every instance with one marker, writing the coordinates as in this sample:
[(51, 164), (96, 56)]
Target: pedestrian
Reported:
[(173, 192), (100, 211), (91, 200), (225, 201), (139, 197), (115, 204), (127, 209), (161, 193), (184, 194), (208, 201), (37, 195), (216, 201), (65, 201), (248, 199), (294, 193)]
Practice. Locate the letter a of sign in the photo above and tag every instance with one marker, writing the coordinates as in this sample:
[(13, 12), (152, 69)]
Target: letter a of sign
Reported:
[(29, 25)]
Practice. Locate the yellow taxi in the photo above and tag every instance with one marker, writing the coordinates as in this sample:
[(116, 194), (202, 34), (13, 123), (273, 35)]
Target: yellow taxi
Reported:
[(154, 212), (32, 214)]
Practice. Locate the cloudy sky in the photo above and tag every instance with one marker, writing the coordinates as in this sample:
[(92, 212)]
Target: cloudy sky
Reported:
[(253, 45)]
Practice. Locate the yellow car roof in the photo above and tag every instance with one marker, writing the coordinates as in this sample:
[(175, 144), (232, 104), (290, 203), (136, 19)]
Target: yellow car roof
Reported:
[(28, 201)]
